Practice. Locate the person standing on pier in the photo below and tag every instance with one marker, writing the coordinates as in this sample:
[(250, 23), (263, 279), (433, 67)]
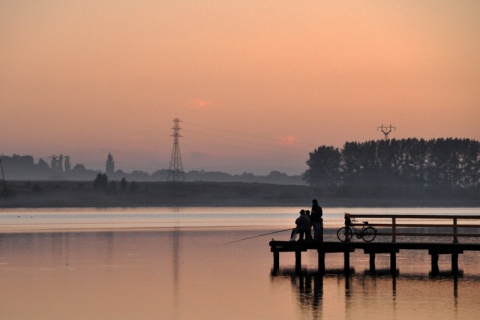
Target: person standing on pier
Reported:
[(303, 226), (308, 234), (317, 220)]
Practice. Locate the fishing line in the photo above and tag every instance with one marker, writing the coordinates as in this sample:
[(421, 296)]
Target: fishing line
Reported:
[(260, 235)]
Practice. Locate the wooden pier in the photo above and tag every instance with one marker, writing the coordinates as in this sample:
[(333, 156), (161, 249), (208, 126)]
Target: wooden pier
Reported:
[(416, 227), (371, 248)]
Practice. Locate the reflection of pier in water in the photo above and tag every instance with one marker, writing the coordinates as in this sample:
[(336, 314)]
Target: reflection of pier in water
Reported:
[(312, 287), (308, 285)]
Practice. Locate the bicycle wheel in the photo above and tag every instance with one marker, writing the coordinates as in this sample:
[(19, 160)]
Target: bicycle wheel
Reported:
[(344, 234), (369, 233)]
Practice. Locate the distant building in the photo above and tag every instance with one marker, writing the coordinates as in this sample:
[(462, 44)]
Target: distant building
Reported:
[(110, 165), (56, 165), (68, 166)]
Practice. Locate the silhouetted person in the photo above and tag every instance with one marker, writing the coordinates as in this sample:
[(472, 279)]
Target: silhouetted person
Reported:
[(317, 220), (308, 234), (348, 220), (303, 226)]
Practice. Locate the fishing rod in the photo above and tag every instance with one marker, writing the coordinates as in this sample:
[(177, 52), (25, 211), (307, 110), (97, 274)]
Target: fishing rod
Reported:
[(260, 235)]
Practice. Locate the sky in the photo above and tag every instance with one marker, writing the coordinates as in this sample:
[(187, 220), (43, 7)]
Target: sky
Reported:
[(257, 85)]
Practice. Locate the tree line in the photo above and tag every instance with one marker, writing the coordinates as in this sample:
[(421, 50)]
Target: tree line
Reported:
[(24, 168), (406, 162)]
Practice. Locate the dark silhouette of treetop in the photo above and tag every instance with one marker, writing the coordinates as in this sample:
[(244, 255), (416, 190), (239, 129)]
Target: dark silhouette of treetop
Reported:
[(407, 162), (101, 181)]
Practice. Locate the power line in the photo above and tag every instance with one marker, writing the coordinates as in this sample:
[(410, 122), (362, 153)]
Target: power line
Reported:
[(149, 140), (246, 134), (255, 143)]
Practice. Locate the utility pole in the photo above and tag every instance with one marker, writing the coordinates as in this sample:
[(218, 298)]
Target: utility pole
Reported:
[(175, 171), (386, 130)]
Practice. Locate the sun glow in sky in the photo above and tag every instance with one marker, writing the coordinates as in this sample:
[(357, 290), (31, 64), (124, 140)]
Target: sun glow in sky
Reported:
[(256, 84)]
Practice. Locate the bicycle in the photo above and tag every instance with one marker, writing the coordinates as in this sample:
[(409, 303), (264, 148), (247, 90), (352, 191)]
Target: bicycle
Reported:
[(366, 233)]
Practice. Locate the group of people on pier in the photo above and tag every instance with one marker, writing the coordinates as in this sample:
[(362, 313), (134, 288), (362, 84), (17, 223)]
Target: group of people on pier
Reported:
[(308, 220)]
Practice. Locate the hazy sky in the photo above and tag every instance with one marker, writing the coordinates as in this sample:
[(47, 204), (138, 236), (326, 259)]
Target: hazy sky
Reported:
[(256, 84)]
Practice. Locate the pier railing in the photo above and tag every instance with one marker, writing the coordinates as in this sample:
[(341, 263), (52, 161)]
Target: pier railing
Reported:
[(395, 225)]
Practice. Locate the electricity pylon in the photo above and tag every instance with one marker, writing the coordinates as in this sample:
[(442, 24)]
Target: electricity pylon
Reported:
[(175, 171), (386, 130)]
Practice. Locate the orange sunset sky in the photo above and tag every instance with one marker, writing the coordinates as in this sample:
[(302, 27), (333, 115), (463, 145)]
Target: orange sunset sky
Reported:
[(256, 84)]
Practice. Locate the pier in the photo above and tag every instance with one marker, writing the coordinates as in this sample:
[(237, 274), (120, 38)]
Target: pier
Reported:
[(416, 228)]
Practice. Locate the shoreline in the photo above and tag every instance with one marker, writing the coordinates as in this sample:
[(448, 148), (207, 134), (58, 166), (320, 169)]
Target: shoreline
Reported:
[(71, 194)]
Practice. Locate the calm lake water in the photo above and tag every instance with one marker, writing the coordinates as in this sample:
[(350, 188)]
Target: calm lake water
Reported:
[(164, 263)]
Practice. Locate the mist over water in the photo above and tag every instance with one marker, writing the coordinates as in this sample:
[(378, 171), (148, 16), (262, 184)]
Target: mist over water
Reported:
[(64, 219), (183, 267)]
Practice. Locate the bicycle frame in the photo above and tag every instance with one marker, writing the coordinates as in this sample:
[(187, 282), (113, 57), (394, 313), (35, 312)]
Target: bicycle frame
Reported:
[(367, 233), (358, 233)]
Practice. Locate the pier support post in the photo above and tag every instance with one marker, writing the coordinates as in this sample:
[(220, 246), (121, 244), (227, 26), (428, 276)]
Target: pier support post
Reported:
[(276, 261), (346, 262), (393, 263), (435, 269), (372, 262), (298, 261), (321, 261), (455, 263)]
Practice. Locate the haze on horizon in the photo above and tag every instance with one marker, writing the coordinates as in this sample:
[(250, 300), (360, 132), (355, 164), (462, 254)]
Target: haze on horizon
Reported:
[(257, 84)]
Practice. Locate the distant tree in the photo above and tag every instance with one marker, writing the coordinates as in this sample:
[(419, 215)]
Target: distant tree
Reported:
[(42, 164), (247, 177), (119, 174), (276, 177), (324, 166), (42, 169), (219, 176), (79, 172), (101, 181), (161, 175), (140, 175), (19, 167), (350, 164), (112, 188), (123, 185), (471, 164), (449, 163), (133, 187), (79, 167)]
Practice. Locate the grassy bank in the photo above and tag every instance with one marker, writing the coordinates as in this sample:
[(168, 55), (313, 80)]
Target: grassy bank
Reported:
[(44, 194)]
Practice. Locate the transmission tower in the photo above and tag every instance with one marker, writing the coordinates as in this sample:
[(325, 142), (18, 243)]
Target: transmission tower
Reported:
[(386, 130), (175, 171)]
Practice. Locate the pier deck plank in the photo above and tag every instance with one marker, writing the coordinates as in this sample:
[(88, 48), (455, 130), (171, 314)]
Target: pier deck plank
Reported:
[(334, 246)]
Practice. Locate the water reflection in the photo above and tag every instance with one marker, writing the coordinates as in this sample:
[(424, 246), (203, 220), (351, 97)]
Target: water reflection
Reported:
[(82, 275), (307, 285), (185, 274), (365, 289), (175, 236)]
